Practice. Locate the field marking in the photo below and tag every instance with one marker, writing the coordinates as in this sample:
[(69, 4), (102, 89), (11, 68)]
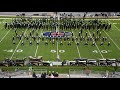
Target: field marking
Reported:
[(57, 30), (112, 40), (54, 51), (114, 23), (96, 45), (36, 50), (17, 46), (5, 36), (5, 18), (11, 50), (115, 26), (102, 51), (57, 51), (2, 23), (77, 46), (38, 45)]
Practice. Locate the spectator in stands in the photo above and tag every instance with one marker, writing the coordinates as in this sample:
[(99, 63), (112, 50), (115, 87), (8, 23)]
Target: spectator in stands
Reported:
[(53, 73), (51, 76), (34, 75), (62, 63), (43, 75), (56, 74), (9, 76)]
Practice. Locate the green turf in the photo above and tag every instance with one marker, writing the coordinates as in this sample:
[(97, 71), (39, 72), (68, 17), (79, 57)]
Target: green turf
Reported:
[(64, 69), (71, 52)]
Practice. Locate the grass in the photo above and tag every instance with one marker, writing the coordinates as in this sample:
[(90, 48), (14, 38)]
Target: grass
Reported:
[(71, 52), (64, 69)]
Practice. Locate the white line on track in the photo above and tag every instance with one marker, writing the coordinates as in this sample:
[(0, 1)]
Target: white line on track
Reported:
[(96, 45), (112, 40), (77, 46), (17, 46), (4, 36)]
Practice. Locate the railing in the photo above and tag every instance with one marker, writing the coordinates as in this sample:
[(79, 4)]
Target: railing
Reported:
[(39, 71), (73, 73)]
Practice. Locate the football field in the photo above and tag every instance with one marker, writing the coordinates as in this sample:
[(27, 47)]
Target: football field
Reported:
[(63, 52)]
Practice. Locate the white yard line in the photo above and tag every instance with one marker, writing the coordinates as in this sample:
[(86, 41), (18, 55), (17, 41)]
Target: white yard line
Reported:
[(57, 30), (17, 46), (115, 26), (36, 51), (4, 36), (112, 40), (5, 18), (57, 51), (38, 45), (77, 47), (96, 45), (2, 22)]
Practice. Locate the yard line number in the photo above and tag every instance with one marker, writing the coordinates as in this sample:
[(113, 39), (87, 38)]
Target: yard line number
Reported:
[(11, 50), (54, 51), (102, 51)]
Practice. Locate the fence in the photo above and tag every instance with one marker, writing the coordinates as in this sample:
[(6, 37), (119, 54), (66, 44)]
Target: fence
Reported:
[(15, 74), (74, 73), (39, 71)]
